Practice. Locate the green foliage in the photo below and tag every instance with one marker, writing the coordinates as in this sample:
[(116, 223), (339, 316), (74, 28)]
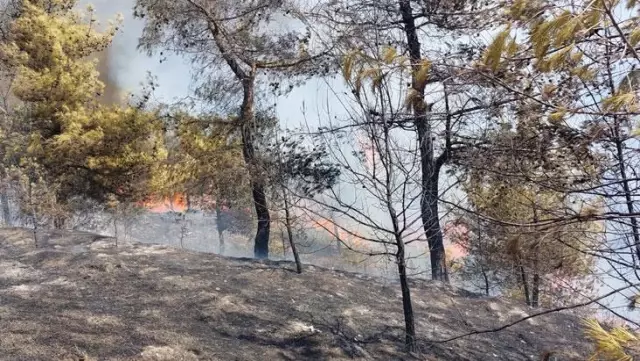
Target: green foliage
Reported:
[(81, 148), (514, 230), (207, 159)]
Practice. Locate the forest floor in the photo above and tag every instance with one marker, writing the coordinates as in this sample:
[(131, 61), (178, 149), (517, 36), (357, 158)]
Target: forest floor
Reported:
[(78, 297)]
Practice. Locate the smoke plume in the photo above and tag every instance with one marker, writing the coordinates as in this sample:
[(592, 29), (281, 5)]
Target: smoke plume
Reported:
[(112, 94)]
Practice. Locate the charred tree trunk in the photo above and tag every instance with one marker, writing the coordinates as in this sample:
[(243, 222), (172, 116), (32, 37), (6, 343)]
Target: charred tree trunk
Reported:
[(486, 281), (336, 234), (525, 285), (287, 223), (6, 212), (535, 286), (115, 228), (284, 244), (535, 292), (221, 242), (34, 215), (618, 140), (431, 222), (294, 250), (407, 306), (220, 227), (628, 194), (247, 117), (59, 222), (429, 200)]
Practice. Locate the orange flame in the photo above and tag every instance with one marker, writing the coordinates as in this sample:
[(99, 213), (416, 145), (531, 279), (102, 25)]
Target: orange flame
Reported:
[(175, 203), (338, 232)]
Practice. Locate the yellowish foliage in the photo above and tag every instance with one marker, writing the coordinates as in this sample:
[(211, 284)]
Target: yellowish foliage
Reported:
[(612, 345), (557, 115), (347, 65), (585, 73), (548, 90), (591, 18), (535, 248), (73, 137), (517, 8), (560, 57), (206, 160), (494, 51), (412, 96), (620, 101), (373, 74), (422, 73), (634, 37), (389, 54)]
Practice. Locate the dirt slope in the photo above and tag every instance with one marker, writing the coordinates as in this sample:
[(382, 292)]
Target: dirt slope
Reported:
[(77, 297)]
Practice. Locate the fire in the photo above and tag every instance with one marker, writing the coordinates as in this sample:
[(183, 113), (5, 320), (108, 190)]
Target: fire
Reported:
[(457, 235), (175, 203), (336, 231)]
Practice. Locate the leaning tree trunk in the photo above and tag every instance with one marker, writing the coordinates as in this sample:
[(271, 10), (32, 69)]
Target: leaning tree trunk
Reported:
[(261, 244), (486, 281), (287, 222), (429, 200), (525, 285)]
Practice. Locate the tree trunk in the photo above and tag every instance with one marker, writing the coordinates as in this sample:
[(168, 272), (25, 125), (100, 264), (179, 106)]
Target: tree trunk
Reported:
[(220, 227), (486, 281), (59, 222), (429, 199), (525, 285), (115, 228), (535, 286), (431, 222), (6, 212), (34, 215), (628, 194), (336, 234), (284, 245), (407, 306), (261, 244), (287, 223), (221, 242), (183, 229), (247, 116), (535, 292)]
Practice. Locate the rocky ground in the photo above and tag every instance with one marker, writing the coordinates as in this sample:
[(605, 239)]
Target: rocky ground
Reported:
[(77, 297)]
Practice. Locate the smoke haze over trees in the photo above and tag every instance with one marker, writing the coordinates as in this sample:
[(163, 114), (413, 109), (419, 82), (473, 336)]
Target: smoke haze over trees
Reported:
[(492, 146)]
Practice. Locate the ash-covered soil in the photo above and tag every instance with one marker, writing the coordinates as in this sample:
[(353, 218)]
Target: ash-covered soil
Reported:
[(77, 297)]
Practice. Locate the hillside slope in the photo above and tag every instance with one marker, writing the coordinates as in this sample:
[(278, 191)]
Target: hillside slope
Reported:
[(77, 297)]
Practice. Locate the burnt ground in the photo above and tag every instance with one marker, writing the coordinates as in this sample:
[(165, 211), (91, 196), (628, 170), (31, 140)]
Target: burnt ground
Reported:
[(77, 297)]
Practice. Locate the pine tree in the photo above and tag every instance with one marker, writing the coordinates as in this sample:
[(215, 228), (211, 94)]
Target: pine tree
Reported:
[(79, 147)]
